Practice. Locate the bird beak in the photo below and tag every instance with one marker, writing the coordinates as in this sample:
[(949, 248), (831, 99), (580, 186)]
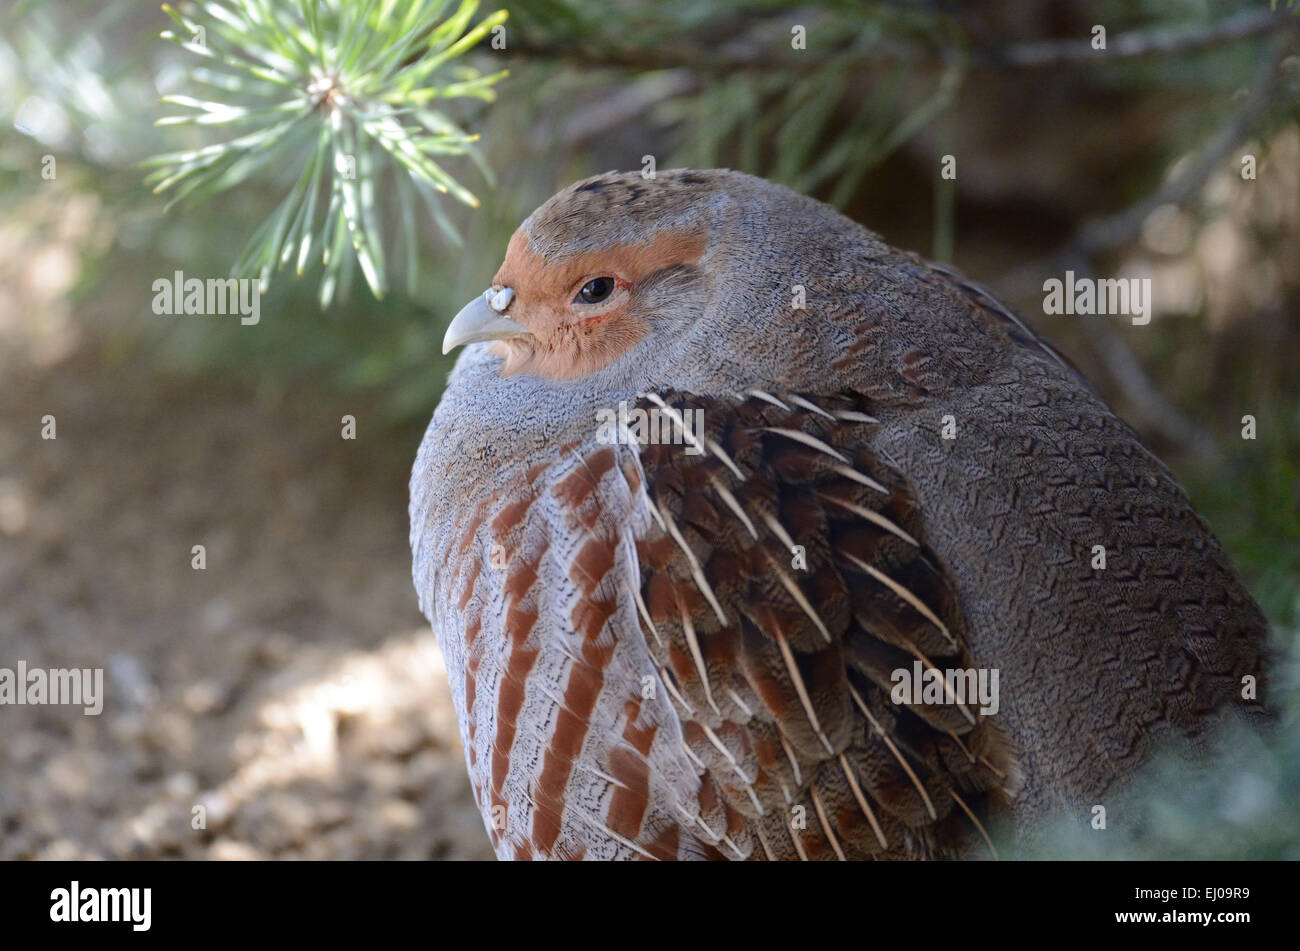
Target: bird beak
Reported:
[(481, 319)]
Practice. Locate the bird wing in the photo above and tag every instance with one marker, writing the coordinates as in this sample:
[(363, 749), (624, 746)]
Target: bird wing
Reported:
[(641, 671), (784, 578)]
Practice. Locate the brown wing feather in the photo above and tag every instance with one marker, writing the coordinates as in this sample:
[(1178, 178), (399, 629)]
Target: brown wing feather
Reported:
[(784, 672)]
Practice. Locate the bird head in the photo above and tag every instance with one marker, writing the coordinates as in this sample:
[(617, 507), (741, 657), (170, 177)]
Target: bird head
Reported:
[(709, 281), (609, 266)]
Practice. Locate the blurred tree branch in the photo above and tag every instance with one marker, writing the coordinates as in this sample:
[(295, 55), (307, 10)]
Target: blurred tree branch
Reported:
[(1156, 41), (745, 53), (1100, 235)]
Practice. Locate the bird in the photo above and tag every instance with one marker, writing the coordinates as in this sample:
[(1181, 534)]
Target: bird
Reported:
[(729, 512)]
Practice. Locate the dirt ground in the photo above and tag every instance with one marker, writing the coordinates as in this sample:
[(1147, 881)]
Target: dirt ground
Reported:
[(288, 698)]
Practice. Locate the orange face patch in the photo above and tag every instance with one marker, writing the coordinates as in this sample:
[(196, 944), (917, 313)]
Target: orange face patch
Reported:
[(571, 340)]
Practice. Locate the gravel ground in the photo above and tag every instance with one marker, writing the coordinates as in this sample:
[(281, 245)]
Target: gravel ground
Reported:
[(285, 702)]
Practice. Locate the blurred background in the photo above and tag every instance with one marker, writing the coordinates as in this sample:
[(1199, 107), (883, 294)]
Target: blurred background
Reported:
[(291, 688)]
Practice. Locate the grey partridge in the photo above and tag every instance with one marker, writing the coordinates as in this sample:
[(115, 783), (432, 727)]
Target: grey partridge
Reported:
[(686, 641)]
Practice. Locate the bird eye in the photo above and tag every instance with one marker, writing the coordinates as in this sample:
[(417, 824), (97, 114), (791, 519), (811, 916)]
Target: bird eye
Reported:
[(596, 290)]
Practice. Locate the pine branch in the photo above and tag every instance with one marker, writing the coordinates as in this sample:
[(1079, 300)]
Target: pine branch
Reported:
[(341, 91)]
